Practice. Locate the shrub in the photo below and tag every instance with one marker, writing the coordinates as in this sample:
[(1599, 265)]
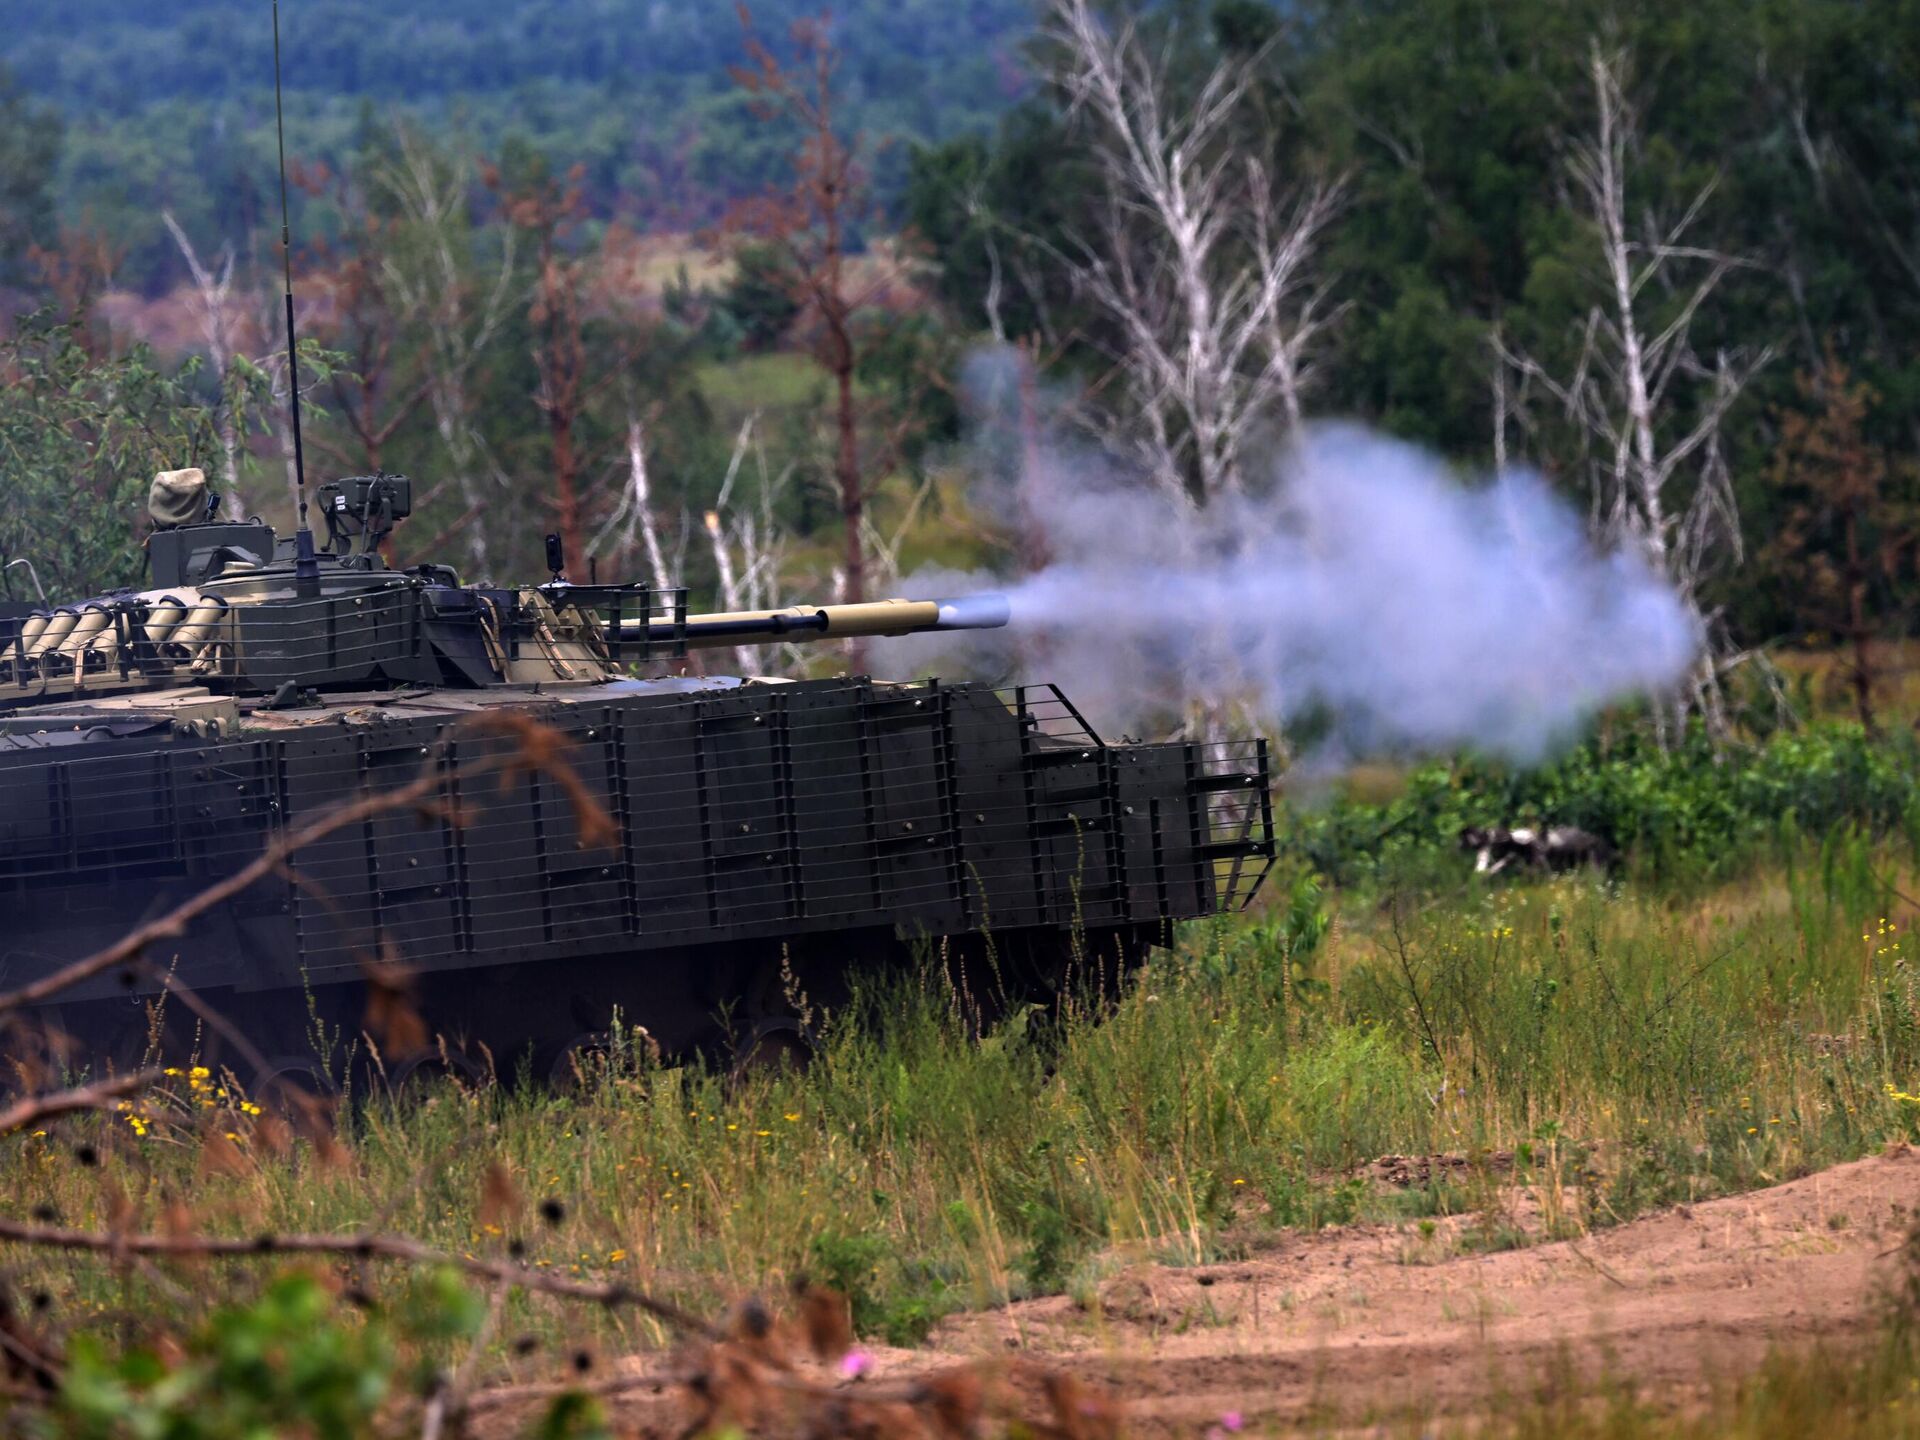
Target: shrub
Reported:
[(1694, 812)]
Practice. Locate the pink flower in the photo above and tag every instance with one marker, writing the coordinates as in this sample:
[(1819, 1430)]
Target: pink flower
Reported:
[(1232, 1421), (854, 1364)]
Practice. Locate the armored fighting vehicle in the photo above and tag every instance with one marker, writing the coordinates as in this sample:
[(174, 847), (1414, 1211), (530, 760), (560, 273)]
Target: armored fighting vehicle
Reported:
[(704, 849)]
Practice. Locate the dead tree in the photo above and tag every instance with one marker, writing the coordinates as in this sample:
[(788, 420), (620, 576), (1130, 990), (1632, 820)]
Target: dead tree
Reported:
[(219, 329), (1202, 263), (546, 210), (571, 378), (749, 547), (807, 223), (253, 387), (375, 324), (75, 270), (634, 519), (1645, 408), (747, 543), (1850, 537)]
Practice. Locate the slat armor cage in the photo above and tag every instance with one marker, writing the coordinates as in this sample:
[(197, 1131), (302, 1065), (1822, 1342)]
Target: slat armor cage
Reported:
[(746, 811)]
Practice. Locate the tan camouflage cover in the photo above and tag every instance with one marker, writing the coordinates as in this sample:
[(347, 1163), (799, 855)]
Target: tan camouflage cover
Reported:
[(178, 497)]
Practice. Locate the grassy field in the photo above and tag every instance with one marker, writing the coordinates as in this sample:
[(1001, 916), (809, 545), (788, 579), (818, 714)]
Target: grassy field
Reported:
[(1627, 1049)]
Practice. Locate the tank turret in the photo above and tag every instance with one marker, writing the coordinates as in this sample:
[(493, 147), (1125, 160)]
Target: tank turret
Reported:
[(225, 607)]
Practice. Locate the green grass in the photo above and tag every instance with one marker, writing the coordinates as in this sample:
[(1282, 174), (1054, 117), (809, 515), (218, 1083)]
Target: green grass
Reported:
[(1693, 815), (1833, 1395), (1632, 1051), (1630, 1047), (775, 384)]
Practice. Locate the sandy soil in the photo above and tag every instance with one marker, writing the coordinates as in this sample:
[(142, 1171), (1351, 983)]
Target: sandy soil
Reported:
[(1361, 1323), (1357, 1323)]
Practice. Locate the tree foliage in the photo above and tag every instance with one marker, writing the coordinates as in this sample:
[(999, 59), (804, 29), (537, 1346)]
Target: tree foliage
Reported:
[(80, 438), (1451, 123), (634, 91), (1448, 126), (1851, 531), (29, 151)]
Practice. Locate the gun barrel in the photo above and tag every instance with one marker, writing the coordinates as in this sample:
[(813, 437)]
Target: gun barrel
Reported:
[(832, 622)]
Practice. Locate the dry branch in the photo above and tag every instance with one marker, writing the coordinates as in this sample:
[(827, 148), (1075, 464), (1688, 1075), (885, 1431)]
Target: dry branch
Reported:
[(1645, 408), (613, 1294), (171, 926), (95, 1096)]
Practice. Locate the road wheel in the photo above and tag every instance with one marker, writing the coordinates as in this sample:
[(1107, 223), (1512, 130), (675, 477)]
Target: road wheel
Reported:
[(424, 1070), (777, 1043)]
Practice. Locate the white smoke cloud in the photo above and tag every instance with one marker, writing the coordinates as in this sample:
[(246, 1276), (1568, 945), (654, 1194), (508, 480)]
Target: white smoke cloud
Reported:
[(1367, 588)]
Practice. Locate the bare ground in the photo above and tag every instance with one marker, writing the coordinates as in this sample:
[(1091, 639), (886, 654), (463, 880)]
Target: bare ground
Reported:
[(1362, 1323)]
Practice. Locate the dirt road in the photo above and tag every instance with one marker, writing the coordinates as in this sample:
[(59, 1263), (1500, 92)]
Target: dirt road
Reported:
[(1360, 1322)]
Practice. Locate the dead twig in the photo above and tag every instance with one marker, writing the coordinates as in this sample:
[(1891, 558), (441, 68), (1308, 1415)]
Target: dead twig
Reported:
[(173, 925), (540, 750), (614, 1295), (96, 1095)]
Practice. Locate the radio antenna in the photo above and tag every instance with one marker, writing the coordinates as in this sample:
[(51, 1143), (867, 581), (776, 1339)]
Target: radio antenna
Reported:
[(306, 568)]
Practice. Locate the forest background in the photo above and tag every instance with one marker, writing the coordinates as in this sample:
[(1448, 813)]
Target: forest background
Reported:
[(710, 293), (786, 306)]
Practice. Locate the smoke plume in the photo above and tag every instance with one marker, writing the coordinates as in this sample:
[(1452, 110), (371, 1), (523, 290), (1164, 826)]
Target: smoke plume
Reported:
[(1367, 600)]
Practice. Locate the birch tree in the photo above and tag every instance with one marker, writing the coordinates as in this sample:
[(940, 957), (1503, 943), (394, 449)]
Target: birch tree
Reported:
[(1202, 260), (1645, 409), (219, 320), (253, 388), (744, 537)]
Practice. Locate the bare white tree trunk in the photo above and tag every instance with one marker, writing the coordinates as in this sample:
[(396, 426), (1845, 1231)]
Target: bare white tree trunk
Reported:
[(884, 546), (749, 549), (1203, 262), (1204, 265), (633, 517), (216, 327), (1647, 407), (252, 387)]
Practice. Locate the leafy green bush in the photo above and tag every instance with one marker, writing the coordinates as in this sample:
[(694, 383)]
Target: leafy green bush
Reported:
[(286, 1362), (1694, 812)]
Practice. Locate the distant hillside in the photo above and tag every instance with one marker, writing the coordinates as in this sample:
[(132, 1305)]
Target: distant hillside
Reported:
[(169, 104)]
